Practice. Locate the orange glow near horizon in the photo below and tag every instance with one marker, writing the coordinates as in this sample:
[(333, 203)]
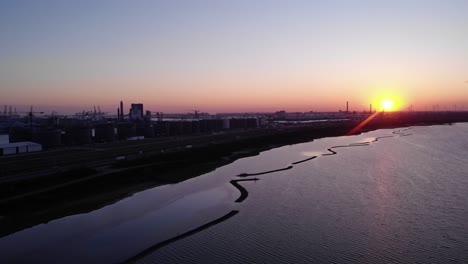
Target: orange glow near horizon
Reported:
[(173, 96)]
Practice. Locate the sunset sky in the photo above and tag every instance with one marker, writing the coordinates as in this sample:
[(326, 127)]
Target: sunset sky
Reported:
[(225, 56)]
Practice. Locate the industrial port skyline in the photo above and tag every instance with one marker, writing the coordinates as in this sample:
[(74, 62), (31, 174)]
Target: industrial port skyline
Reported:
[(110, 110)]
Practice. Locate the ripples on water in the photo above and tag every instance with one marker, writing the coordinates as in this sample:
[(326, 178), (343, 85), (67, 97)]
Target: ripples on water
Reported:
[(385, 197), (400, 200)]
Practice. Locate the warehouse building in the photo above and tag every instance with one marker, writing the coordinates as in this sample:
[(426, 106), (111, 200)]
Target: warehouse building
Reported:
[(19, 147)]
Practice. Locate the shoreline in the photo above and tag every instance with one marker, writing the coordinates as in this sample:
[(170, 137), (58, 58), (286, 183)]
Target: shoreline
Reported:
[(97, 190)]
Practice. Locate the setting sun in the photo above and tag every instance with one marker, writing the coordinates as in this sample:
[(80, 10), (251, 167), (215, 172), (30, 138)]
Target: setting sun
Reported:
[(387, 104)]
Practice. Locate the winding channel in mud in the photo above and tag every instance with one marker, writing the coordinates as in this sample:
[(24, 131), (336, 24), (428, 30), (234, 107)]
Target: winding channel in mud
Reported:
[(264, 172), (242, 190), (161, 244), (244, 194)]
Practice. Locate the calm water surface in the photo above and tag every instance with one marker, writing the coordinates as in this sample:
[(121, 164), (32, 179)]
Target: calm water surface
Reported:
[(400, 199)]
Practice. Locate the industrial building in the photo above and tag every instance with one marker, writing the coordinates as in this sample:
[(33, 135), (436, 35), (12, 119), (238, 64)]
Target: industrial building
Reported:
[(136, 112), (19, 147), (96, 127), (4, 139)]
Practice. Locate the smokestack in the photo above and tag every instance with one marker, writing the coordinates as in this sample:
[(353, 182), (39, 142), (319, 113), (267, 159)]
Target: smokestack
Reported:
[(347, 105), (118, 114), (121, 111)]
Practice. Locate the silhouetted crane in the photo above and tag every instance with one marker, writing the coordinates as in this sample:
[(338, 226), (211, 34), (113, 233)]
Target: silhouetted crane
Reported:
[(30, 115), (197, 116), (31, 112)]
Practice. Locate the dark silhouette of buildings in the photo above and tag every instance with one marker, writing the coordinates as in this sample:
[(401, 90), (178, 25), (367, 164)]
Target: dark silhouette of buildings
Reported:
[(136, 112)]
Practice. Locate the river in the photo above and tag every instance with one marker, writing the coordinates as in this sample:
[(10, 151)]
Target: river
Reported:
[(387, 196)]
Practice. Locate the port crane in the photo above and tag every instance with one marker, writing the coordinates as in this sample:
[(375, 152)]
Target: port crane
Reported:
[(196, 114), (30, 113)]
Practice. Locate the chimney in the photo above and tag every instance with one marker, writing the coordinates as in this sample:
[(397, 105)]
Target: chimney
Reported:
[(121, 111)]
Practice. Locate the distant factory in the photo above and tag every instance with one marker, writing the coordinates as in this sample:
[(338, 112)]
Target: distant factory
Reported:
[(24, 132), (94, 126), (136, 112)]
